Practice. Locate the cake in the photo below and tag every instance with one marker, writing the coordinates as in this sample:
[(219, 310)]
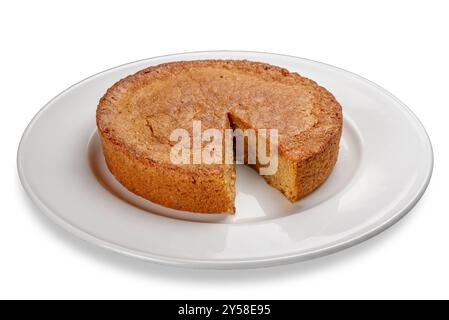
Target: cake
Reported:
[(137, 115)]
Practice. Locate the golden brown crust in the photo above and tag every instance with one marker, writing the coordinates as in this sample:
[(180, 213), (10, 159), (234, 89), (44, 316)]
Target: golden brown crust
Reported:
[(136, 115), (172, 188)]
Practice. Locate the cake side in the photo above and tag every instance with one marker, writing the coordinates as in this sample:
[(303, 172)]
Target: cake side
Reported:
[(194, 191)]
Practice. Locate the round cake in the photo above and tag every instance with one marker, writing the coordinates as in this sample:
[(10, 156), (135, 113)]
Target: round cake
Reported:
[(138, 114)]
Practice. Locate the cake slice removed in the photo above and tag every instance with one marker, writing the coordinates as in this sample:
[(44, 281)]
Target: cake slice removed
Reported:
[(137, 116)]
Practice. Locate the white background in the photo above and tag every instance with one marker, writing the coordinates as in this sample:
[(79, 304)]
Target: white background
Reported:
[(46, 46)]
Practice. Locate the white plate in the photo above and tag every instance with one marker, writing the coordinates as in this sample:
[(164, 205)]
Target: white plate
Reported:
[(384, 166)]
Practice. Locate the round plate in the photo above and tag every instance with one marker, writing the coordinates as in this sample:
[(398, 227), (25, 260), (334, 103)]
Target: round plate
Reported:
[(384, 166)]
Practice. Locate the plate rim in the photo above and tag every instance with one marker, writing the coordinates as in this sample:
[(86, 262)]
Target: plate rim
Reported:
[(225, 263)]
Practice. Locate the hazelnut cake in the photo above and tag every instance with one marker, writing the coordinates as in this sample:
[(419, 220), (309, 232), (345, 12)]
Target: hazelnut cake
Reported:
[(138, 113)]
